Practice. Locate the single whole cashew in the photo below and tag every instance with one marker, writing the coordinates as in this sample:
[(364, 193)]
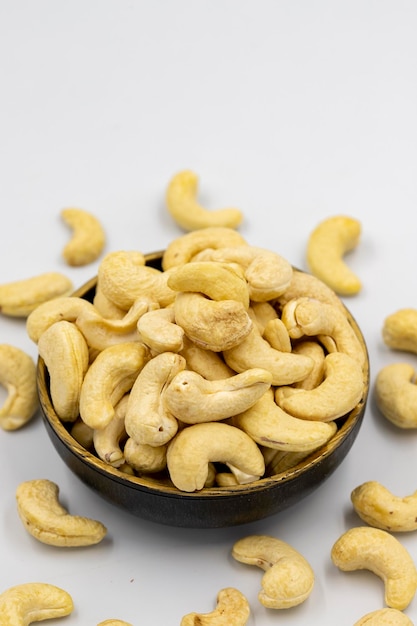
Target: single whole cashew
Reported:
[(108, 378), (267, 424), (107, 440), (205, 362), (143, 458), (276, 334), (399, 330), (194, 399), (340, 391), (65, 352), (183, 206), (327, 245), (157, 329), (261, 314), (288, 578), (88, 237), (396, 394), (66, 308), (148, 419), (194, 447), (384, 617), (33, 602), (378, 507), (21, 297), (18, 377), (315, 351), (380, 552), (49, 522), (183, 249), (232, 610)]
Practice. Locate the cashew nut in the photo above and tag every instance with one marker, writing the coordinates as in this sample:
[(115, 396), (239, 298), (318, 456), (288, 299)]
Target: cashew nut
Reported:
[(82, 433), (205, 362), (18, 377), (157, 329), (396, 394), (327, 245), (107, 440), (288, 578), (143, 458), (183, 206), (33, 602), (148, 420), (381, 553), (340, 391), (21, 297), (108, 378), (261, 314), (384, 617), (66, 308), (306, 285), (114, 622), (276, 334), (49, 522), (232, 610), (283, 460), (194, 447), (194, 399), (315, 351), (269, 425), (399, 330), (66, 356), (378, 507), (88, 237)]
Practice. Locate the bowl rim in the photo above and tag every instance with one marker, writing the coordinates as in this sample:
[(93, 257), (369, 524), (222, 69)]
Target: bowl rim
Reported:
[(158, 488)]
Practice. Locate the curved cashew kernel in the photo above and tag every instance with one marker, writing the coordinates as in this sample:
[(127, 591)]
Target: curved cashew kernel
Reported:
[(276, 334), (254, 351), (106, 307), (66, 308), (48, 521), (107, 440), (194, 399), (261, 313), (315, 351), (268, 274), (21, 297), (306, 285), (381, 553), (33, 602), (205, 362), (148, 420), (283, 461), (288, 578), (108, 378), (182, 204), (378, 507), (182, 249), (145, 459), (399, 330), (267, 424), (157, 329), (217, 281), (66, 356), (226, 479), (327, 245), (18, 377), (212, 325), (114, 622), (340, 391), (396, 394), (384, 617), (194, 447), (82, 433), (88, 237), (232, 610)]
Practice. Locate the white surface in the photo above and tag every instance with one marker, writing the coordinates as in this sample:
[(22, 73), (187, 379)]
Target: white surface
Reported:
[(292, 111)]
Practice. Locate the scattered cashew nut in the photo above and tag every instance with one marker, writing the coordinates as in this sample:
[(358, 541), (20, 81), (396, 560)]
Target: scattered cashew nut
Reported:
[(21, 297), (33, 602), (114, 622), (18, 377), (378, 507), (384, 617), (399, 330), (396, 394), (232, 610), (88, 237)]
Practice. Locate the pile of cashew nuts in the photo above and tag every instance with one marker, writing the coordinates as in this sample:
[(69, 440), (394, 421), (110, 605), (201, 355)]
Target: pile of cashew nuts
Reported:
[(223, 366)]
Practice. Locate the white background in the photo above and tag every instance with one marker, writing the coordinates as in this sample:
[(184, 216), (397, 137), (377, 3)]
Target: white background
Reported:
[(290, 110)]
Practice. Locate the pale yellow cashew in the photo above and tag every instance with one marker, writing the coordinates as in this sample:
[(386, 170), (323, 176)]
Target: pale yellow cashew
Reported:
[(288, 578), (66, 308), (148, 420), (306, 285), (157, 329), (282, 461), (378, 507), (261, 314), (205, 362), (212, 325), (276, 334), (107, 440), (18, 377), (82, 433), (315, 351), (232, 610), (194, 399), (194, 447), (327, 245), (21, 297), (65, 352), (24, 604), (399, 330), (145, 459), (88, 237), (183, 249), (49, 522), (384, 617), (108, 378), (114, 622), (182, 204), (267, 424), (396, 394), (341, 390), (105, 306), (380, 552), (254, 351), (267, 273)]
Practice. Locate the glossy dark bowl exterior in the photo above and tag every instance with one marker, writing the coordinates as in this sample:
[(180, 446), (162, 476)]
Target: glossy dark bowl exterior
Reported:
[(211, 508)]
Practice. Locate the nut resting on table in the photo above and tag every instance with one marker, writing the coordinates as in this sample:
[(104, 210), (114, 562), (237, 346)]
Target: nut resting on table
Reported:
[(225, 350)]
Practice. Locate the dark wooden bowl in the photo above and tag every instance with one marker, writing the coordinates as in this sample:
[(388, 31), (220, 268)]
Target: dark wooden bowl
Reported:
[(212, 507)]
